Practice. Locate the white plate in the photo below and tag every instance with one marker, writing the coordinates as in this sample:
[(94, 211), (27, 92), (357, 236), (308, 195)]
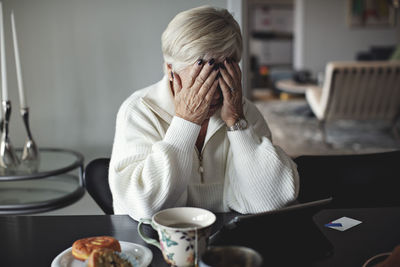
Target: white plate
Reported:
[(141, 253)]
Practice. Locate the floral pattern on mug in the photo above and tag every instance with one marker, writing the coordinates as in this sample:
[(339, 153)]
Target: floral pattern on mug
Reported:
[(169, 258), (165, 237), (190, 259), (189, 236), (180, 246), (179, 238)]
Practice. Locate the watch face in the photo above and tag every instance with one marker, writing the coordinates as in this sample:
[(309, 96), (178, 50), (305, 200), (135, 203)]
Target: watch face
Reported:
[(243, 124)]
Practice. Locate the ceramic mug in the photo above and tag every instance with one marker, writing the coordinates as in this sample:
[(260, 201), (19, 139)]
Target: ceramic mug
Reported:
[(228, 256), (183, 233)]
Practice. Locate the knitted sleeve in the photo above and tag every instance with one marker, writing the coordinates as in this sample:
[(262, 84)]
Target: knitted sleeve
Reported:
[(260, 176), (149, 172)]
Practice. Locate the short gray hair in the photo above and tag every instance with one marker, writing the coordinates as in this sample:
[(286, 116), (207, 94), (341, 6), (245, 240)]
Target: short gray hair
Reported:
[(201, 33)]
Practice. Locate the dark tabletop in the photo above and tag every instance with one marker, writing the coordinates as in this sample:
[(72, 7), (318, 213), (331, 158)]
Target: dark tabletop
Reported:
[(37, 240), (379, 232)]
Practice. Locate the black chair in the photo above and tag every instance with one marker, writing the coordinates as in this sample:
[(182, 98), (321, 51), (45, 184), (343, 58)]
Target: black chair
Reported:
[(362, 180), (96, 183)]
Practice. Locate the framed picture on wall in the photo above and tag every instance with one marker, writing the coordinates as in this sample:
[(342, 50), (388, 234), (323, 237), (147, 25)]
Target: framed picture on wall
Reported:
[(371, 13)]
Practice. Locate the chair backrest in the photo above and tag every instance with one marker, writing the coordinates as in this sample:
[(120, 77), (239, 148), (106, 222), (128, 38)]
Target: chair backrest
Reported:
[(96, 183), (361, 180), (361, 90)]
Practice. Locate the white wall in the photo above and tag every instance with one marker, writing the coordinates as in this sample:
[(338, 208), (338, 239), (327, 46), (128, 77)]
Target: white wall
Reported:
[(239, 10), (322, 34), (80, 59)]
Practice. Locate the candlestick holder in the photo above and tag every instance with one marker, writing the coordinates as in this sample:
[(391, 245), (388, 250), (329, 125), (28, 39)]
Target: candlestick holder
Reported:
[(30, 153), (8, 158)]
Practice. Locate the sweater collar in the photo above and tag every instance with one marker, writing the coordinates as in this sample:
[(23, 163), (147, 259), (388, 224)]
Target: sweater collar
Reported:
[(160, 100)]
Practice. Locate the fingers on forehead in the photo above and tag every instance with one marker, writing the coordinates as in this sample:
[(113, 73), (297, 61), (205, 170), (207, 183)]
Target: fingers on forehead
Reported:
[(206, 70), (230, 68), (237, 68), (208, 82), (227, 78), (224, 87), (210, 94), (196, 68)]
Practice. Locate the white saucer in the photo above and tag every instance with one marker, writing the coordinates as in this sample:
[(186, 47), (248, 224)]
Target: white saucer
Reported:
[(142, 254)]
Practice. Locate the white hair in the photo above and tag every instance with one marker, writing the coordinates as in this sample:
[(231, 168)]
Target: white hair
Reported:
[(201, 33)]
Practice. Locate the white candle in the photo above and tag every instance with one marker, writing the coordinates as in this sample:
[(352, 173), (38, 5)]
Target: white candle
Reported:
[(22, 100), (3, 56)]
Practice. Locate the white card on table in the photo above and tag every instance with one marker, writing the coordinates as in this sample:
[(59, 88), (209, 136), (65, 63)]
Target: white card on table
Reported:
[(345, 222)]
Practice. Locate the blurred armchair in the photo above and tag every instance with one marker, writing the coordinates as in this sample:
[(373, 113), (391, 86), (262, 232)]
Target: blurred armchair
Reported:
[(357, 91)]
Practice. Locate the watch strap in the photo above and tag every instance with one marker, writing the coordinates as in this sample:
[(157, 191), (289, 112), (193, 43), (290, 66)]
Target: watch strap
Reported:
[(240, 124)]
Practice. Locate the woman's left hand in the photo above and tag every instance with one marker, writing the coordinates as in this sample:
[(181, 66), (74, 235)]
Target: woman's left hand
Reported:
[(230, 82)]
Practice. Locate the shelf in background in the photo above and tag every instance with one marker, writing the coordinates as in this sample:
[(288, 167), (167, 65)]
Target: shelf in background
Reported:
[(272, 35), (267, 94), (263, 94)]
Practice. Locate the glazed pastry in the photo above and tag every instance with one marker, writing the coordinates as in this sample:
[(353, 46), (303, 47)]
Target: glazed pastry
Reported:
[(107, 258), (82, 248)]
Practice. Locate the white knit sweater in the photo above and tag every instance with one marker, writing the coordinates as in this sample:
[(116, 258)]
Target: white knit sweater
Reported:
[(155, 163)]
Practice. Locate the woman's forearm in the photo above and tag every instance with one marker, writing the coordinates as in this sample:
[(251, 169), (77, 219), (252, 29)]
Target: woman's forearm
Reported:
[(261, 176), (150, 177)]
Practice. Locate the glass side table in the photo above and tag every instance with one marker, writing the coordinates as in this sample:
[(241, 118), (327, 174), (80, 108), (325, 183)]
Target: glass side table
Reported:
[(57, 182)]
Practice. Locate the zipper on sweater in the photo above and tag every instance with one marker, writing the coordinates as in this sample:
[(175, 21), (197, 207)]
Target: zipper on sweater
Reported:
[(201, 169), (200, 156)]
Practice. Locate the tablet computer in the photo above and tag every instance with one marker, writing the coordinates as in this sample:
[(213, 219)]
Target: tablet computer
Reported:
[(284, 237)]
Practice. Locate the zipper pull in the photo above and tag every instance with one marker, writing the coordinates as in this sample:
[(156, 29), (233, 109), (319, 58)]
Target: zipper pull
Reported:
[(201, 170)]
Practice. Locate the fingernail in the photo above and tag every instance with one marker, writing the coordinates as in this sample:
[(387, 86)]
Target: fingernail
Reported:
[(199, 62), (216, 67), (222, 66), (172, 74), (211, 61), (228, 60)]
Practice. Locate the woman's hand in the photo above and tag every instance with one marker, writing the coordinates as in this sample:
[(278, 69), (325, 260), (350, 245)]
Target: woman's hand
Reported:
[(231, 86), (192, 101)]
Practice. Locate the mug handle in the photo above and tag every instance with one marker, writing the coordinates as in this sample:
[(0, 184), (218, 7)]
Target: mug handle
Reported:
[(146, 239)]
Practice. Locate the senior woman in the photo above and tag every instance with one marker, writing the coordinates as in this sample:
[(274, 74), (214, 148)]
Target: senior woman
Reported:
[(192, 139)]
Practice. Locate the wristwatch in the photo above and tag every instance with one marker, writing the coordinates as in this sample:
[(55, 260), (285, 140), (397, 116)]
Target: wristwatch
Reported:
[(241, 124)]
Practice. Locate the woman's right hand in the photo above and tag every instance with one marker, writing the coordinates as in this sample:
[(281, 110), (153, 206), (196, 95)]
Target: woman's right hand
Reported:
[(193, 98)]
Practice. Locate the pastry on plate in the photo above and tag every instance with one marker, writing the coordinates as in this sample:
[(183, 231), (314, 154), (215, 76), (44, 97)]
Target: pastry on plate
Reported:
[(82, 248), (108, 258)]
